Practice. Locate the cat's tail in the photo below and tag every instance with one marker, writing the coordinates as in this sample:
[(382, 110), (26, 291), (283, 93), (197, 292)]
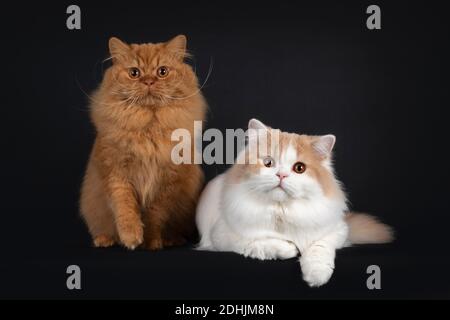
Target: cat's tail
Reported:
[(364, 228)]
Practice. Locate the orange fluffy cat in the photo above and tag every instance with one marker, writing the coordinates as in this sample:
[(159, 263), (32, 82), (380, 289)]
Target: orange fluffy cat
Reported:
[(133, 194)]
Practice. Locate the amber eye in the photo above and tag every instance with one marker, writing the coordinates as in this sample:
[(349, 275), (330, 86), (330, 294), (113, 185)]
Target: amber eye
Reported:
[(268, 162), (134, 73), (299, 167), (163, 72)]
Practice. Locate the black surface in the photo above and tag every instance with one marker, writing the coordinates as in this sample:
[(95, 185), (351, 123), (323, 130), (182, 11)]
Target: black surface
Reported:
[(302, 67), (181, 273)]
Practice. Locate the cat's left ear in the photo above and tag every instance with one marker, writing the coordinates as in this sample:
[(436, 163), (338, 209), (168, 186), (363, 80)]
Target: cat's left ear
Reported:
[(323, 145), (177, 46)]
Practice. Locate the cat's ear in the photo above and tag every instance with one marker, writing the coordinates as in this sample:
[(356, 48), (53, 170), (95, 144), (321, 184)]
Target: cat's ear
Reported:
[(323, 145), (177, 46), (118, 49), (256, 125), (255, 128)]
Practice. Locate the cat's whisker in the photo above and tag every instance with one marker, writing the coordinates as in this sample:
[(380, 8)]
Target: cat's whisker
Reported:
[(107, 59), (91, 98), (199, 89)]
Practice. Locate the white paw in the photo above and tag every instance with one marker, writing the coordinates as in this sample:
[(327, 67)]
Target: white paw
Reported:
[(316, 272), (286, 250), (270, 249)]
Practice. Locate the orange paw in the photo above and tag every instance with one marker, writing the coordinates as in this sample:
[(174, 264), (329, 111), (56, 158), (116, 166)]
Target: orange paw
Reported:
[(104, 241), (131, 236)]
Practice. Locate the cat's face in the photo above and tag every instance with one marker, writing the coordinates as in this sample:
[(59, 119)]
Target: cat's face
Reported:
[(293, 167), (150, 74)]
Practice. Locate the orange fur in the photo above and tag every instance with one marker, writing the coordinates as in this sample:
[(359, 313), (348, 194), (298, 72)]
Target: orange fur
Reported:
[(132, 192)]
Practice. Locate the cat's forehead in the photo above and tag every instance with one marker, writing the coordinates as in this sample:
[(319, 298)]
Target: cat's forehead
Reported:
[(289, 153), (291, 146), (150, 54)]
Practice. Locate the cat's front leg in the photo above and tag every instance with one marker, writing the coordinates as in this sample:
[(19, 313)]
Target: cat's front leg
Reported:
[(317, 260), (224, 239), (317, 263), (126, 212), (270, 249)]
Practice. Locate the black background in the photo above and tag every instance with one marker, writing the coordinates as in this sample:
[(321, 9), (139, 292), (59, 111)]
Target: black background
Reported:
[(307, 68)]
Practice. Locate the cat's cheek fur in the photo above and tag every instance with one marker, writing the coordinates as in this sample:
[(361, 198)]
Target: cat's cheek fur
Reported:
[(302, 187)]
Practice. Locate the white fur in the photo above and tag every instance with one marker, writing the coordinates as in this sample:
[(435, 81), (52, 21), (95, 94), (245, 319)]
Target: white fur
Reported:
[(259, 220)]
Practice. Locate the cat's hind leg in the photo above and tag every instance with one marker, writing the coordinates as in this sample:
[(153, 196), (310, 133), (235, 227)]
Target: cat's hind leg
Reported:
[(170, 216)]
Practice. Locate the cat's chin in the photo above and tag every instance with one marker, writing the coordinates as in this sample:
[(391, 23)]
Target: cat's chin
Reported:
[(152, 101), (279, 195)]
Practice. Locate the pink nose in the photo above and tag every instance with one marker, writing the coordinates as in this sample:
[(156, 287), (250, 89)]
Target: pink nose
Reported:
[(282, 175), (149, 82)]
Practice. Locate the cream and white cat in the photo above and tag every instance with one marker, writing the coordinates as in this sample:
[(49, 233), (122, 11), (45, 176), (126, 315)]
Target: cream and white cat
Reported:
[(289, 202)]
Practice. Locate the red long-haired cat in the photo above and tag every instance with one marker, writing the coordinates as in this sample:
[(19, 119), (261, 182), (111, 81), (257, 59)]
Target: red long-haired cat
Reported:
[(133, 193)]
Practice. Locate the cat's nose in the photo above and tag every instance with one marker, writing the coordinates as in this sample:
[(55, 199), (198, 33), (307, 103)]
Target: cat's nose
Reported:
[(282, 175), (149, 82)]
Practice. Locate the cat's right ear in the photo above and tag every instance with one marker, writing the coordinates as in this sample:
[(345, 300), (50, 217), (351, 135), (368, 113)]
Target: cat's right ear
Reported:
[(256, 124), (255, 127), (118, 49)]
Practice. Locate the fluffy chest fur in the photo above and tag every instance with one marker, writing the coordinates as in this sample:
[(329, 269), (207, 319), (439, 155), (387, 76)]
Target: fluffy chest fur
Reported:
[(140, 148), (298, 221)]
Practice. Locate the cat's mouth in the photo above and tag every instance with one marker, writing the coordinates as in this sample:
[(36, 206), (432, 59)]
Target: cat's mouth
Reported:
[(279, 194), (149, 98), (156, 96), (279, 186)]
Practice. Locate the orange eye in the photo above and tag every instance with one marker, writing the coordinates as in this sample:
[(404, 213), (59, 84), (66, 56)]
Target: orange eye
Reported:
[(134, 73), (162, 72), (268, 162), (299, 167)]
